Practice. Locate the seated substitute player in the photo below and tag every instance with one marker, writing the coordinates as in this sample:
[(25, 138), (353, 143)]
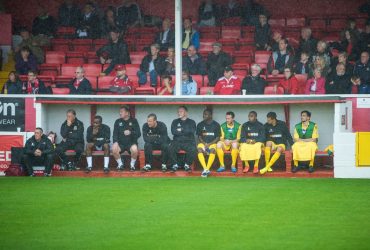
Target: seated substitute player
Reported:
[(277, 137), (125, 134), (38, 151), (208, 132), (230, 136), (252, 138), (155, 138), (72, 131), (183, 130), (98, 138), (305, 142)]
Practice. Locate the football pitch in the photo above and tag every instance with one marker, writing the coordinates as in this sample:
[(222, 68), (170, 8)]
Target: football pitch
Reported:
[(184, 213)]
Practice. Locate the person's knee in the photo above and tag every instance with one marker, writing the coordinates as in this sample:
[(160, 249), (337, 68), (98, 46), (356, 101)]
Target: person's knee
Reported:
[(280, 150), (268, 144), (212, 151), (134, 149), (234, 145), (219, 145)]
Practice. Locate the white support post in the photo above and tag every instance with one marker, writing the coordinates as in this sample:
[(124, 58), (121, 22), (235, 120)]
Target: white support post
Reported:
[(178, 45)]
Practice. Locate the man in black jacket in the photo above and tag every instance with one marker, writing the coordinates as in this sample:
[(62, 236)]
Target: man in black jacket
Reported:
[(126, 132), (38, 151), (68, 14), (166, 37), (154, 64), (155, 138), (216, 63), (89, 23), (193, 62), (98, 138), (338, 82), (277, 138), (72, 131), (252, 138), (183, 130), (254, 84), (114, 53), (79, 85)]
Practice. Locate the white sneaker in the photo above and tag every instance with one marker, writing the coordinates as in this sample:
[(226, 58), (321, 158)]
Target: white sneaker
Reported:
[(204, 174)]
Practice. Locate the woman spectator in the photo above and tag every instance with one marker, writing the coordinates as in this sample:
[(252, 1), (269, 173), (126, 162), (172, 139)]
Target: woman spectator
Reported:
[(13, 85), (316, 84), (25, 61), (289, 83), (319, 62), (350, 44)]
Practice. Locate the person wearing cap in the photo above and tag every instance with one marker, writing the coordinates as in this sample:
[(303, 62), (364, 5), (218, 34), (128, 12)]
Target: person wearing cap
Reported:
[(254, 84), (78, 85), (263, 33), (121, 84), (216, 63), (115, 52), (154, 64), (228, 84)]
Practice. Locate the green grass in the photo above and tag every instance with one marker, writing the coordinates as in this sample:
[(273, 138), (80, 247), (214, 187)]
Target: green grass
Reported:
[(186, 213)]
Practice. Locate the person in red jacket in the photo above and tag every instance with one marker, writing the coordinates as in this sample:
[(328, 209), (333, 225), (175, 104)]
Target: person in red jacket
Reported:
[(316, 84), (290, 83), (228, 84), (121, 84)]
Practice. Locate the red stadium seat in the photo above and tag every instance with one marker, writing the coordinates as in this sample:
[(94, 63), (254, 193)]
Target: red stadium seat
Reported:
[(104, 82), (92, 69), (277, 22), (206, 46), (75, 57), (56, 57), (60, 44), (48, 80), (132, 69), (302, 78), (274, 90), (82, 45), (63, 79), (93, 81), (272, 80), (91, 57), (241, 73), (137, 57), (98, 43), (337, 23), (231, 21), (49, 69), (60, 91), (230, 32), (69, 69), (213, 36), (205, 81), (64, 32), (296, 22), (145, 91), (198, 79), (243, 57), (206, 91), (242, 66), (262, 57)]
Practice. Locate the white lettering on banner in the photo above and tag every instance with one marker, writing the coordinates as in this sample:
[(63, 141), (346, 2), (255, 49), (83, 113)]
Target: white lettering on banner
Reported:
[(5, 106), (5, 156), (7, 121)]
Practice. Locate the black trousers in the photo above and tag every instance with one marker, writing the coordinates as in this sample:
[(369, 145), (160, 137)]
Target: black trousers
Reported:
[(148, 151), (67, 145), (189, 147), (46, 160)]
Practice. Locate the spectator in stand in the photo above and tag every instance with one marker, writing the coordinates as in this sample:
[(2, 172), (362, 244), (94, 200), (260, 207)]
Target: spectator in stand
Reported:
[(263, 33), (170, 61), (350, 44), (231, 9), (188, 85), (167, 88), (342, 58), (68, 14), (216, 63), (154, 64), (43, 24), (319, 62), (361, 74), (121, 84), (316, 84), (323, 50), (25, 61), (250, 12), (193, 62), (208, 14), (338, 82), (365, 38), (303, 66), (78, 85), (190, 36), (109, 22), (13, 85), (89, 23), (166, 37), (307, 42), (129, 14), (34, 86), (254, 84), (352, 28), (277, 36), (280, 59), (228, 84), (115, 52), (33, 43), (289, 83)]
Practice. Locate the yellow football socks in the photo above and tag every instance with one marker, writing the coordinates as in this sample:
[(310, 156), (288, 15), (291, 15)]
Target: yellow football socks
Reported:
[(211, 159), (267, 155), (234, 156), (202, 160), (220, 155)]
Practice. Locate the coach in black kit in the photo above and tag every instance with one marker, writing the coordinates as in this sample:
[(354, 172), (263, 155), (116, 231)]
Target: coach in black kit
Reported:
[(155, 138), (126, 132), (38, 151), (72, 131), (183, 130)]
